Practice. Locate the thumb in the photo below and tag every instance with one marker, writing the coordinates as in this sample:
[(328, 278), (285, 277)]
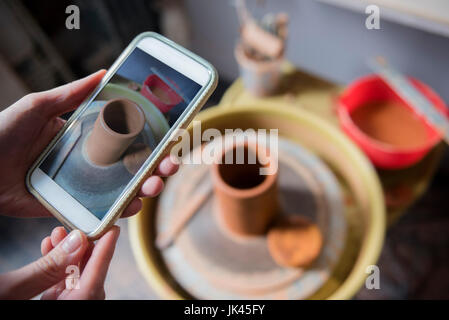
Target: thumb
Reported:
[(40, 275), (60, 100)]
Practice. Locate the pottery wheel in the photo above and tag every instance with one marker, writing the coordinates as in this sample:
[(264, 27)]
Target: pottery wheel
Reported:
[(95, 187), (210, 263)]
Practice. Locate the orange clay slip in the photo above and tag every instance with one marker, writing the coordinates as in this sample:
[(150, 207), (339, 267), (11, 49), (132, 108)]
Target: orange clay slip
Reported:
[(294, 242)]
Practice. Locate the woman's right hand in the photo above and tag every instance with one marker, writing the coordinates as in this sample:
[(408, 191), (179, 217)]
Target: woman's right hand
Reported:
[(63, 253)]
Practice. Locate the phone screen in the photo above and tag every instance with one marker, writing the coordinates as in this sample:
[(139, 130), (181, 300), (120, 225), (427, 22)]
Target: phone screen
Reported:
[(118, 130)]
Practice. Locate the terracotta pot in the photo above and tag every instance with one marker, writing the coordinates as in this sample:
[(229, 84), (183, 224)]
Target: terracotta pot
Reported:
[(119, 123), (246, 201), (260, 77)]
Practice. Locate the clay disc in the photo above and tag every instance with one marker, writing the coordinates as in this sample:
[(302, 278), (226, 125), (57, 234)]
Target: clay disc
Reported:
[(135, 157), (210, 263), (294, 241)]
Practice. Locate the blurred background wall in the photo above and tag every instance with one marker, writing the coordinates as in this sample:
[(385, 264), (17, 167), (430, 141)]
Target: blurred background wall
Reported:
[(37, 51), (324, 39)]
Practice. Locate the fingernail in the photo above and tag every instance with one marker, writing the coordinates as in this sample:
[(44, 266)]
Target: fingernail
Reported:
[(72, 242)]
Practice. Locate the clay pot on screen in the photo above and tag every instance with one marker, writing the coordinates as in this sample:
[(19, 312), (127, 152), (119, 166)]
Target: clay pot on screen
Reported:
[(119, 123), (245, 201), (260, 77), (160, 93)]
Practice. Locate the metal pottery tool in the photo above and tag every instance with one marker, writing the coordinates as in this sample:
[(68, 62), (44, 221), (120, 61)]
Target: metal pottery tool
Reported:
[(402, 86)]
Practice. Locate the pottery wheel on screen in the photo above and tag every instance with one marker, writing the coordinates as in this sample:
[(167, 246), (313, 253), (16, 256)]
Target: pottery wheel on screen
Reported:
[(84, 180), (210, 263)]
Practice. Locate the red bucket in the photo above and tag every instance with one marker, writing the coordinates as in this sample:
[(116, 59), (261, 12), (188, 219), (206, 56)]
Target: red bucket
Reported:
[(160, 93), (370, 89)]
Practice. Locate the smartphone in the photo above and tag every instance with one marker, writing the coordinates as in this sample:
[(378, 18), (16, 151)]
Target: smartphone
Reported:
[(95, 165)]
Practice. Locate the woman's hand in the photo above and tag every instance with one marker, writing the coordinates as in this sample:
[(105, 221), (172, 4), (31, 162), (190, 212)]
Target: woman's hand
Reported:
[(62, 254), (28, 126)]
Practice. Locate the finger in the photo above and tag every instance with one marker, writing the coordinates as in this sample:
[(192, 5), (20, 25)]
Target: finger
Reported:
[(134, 207), (60, 100), (87, 256), (54, 292), (46, 246), (57, 235), (94, 274), (40, 275), (58, 290), (151, 187), (166, 168), (59, 123)]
